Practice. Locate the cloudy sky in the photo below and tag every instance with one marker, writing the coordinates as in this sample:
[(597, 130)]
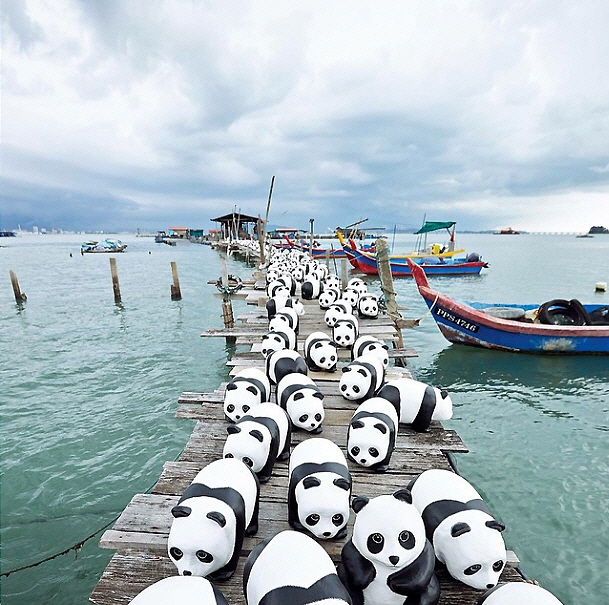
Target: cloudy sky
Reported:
[(154, 113)]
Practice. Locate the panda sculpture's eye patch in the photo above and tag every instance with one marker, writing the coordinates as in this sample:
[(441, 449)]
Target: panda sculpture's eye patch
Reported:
[(253, 389), (337, 519), (230, 408), (375, 543), (472, 569), (204, 557), (311, 482), (498, 565), (248, 461), (312, 519), (318, 417), (406, 540), (175, 553), (355, 450), (246, 408), (458, 529), (303, 418), (373, 452), (219, 518)]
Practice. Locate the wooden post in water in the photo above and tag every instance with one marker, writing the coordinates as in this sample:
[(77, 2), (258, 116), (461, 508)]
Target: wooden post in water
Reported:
[(343, 272), (176, 294), (20, 296), (227, 305), (384, 269), (115, 286)]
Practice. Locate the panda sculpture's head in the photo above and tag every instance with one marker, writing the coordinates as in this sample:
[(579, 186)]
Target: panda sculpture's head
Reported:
[(202, 536), (249, 442), (328, 297), (322, 354), (306, 409), (368, 306), (345, 331), (368, 441), (351, 296), (357, 284), (472, 548), (337, 310), (388, 530), (323, 504), (355, 382), (240, 397), (332, 281)]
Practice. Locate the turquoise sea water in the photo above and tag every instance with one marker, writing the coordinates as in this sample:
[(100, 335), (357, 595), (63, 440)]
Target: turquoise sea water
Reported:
[(88, 395)]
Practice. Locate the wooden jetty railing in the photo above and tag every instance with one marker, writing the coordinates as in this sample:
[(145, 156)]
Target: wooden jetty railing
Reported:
[(139, 536)]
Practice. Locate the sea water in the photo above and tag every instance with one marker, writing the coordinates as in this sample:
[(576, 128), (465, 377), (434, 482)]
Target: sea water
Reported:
[(88, 394)]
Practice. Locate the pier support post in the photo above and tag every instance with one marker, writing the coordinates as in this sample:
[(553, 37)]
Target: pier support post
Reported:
[(115, 285), (20, 296), (176, 293), (227, 305), (343, 272), (384, 269)]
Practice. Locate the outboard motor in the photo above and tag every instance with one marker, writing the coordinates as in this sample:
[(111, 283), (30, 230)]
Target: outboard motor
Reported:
[(473, 257)]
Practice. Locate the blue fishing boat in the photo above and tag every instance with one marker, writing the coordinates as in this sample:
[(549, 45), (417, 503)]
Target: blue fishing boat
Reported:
[(557, 327), (107, 245)]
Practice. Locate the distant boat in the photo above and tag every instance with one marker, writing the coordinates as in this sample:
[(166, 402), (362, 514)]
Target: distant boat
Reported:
[(507, 231), (597, 230), (107, 245), (8, 234)]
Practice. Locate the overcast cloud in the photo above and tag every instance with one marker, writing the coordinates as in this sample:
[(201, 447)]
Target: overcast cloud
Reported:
[(125, 114)]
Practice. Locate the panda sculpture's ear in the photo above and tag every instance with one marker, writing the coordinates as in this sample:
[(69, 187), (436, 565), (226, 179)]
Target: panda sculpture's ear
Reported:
[(346, 369), (381, 427), (298, 396), (181, 511), (458, 529), (361, 371), (358, 503), (342, 483), (233, 429), (311, 482), (231, 386), (357, 424), (443, 393), (219, 518), (252, 389), (256, 434), (493, 524), (317, 345), (318, 394), (404, 495)]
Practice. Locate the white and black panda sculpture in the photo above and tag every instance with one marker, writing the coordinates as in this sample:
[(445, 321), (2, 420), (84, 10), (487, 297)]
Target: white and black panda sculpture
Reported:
[(366, 344), (357, 284), (292, 568), (277, 288), (337, 310), (311, 287), (277, 340), (319, 489), (212, 517), (260, 438), (278, 303), (345, 331), (417, 403), (371, 434), (301, 398), (361, 378), (282, 362), (518, 593), (350, 296), (248, 388), (320, 352), (332, 281), (465, 535), (368, 306), (388, 559), (328, 297), (286, 318), (185, 590)]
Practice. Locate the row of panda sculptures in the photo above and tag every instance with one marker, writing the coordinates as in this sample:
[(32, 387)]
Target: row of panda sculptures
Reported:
[(398, 539)]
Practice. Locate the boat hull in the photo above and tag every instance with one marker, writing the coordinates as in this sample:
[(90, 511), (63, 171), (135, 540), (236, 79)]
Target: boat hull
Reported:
[(463, 324)]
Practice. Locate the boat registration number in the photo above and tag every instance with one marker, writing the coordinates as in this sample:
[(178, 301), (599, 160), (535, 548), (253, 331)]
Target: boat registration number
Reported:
[(455, 319)]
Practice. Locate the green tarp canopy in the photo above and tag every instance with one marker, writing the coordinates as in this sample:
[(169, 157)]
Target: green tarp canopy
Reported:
[(434, 226)]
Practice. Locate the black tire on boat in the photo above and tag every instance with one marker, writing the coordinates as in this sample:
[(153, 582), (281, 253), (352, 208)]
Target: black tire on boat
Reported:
[(563, 313)]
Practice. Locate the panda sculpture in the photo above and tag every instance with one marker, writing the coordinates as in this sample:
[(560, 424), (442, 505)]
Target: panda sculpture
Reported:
[(518, 593), (350, 296), (310, 287), (289, 281), (319, 489), (301, 398), (328, 297), (212, 517), (283, 362), (332, 281), (361, 378), (248, 388), (417, 403), (260, 438), (277, 340), (278, 303), (292, 568), (277, 288), (337, 310), (320, 352), (466, 537), (388, 559), (286, 318), (185, 590), (371, 434), (367, 344), (368, 306), (345, 331), (357, 284)]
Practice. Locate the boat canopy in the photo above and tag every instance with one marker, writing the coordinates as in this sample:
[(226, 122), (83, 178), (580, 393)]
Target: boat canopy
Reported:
[(434, 226)]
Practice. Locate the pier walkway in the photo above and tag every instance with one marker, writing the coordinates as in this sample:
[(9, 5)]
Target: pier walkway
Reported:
[(139, 536)]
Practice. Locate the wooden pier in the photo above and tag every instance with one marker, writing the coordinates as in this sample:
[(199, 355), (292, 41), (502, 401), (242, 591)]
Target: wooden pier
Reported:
[(139, 536)]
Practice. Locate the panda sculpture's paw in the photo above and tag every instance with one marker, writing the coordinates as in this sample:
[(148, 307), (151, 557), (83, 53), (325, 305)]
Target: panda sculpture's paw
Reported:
[(284, 455), (316, 431), (252, 528)]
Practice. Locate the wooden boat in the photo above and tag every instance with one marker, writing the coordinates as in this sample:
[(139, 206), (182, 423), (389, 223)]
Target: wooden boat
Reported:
[(107, 245), (439, 264), (507, 231), (511, 327)]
